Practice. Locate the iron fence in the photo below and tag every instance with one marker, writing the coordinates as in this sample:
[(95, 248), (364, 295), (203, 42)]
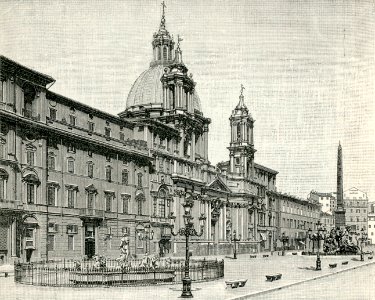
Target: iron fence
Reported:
[(66, 273)]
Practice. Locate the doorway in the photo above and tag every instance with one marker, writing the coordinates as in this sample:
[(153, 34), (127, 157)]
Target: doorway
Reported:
[(89, 240)]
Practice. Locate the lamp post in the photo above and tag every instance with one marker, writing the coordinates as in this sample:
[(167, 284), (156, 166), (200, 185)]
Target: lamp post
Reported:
[(284, 239), (309, 232), (320, 237), (362, 239), (234, 239), (149, 236), (188, 231)]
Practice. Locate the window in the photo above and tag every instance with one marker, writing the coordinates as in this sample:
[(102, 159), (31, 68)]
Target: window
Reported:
[(30, 238), (107, 132), (52, 114), (90, 169), (125, 177), (51, 162), (369, 226), (139, 179), (108, 173), (162, 200), (89, 153), (2, 147), (71, 198), (237, 160), (238, 131), (122, 136), (51, 195), (71, 165), (72, 120), (3, 182), (108, 202), (91, 126), (70, 242), (90, 200), (30, 193), (30, 158), (125, 204), (51, 242), (139, 207)]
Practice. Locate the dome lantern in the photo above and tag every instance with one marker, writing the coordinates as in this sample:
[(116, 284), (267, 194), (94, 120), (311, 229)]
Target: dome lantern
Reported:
[(162, 43)]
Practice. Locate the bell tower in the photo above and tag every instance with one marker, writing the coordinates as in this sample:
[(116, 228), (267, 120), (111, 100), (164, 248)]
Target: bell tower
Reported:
[(241, 149)]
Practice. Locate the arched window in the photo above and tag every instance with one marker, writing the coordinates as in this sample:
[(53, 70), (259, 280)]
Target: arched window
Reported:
[(165, 52), (238, 131), (162, 202), (159, 53), (140, 179)]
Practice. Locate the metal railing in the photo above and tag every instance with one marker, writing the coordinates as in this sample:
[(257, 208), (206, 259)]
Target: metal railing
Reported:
[(86, 274)]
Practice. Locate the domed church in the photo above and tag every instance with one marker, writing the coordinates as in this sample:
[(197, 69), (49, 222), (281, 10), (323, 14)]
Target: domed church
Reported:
[(74, 180), (230, 197)]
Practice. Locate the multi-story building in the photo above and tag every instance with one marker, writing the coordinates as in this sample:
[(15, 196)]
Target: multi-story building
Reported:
[(327, 200), (327, 219), (74, 179), (356, 209), (371, 222)]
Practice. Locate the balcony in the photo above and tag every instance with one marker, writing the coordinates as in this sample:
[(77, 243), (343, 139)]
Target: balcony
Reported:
[(160, 220), (27, 113), (10, 204), (91, 213)]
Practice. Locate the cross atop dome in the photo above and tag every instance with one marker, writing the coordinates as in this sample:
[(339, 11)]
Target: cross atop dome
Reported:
[(162, 22)]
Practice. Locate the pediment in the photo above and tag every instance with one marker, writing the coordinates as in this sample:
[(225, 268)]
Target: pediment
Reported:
[(219, 185)]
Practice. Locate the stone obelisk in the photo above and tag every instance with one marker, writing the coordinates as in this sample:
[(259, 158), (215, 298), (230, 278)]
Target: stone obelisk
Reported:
[(340, 211)]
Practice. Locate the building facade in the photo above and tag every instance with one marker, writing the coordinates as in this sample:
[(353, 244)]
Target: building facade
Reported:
[(327, 200), (356, 206), (74, 179)]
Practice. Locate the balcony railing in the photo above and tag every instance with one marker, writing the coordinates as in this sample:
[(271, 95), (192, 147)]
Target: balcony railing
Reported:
[(28, 113), (90, 212)]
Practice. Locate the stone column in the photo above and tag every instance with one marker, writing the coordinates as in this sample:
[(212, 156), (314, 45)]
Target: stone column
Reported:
[(205, 139), (175, 95), (224, 223), (192, 154), (165, 96)]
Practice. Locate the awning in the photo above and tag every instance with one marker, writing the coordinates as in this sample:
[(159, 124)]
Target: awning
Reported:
[(263, 236), (31, 178)]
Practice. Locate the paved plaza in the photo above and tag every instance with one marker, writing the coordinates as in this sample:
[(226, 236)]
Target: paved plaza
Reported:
[(297, 279)]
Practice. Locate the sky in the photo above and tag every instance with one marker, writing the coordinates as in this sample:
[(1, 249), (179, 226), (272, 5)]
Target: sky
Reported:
[(308, 67)]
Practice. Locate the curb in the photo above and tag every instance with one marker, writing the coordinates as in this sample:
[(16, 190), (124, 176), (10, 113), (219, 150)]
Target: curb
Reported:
[(299, 282)]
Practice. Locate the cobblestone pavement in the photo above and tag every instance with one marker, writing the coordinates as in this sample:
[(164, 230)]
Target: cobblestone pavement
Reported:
[(294, 269)]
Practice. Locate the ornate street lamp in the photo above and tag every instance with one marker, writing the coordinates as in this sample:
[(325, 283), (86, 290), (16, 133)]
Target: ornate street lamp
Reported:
[(148, 236), (284, 239), (188, 231), (362, 239), (233, 238), (309, 233), (320, 237)]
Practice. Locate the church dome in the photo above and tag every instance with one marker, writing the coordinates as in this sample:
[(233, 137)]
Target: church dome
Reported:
[(148, 89)]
